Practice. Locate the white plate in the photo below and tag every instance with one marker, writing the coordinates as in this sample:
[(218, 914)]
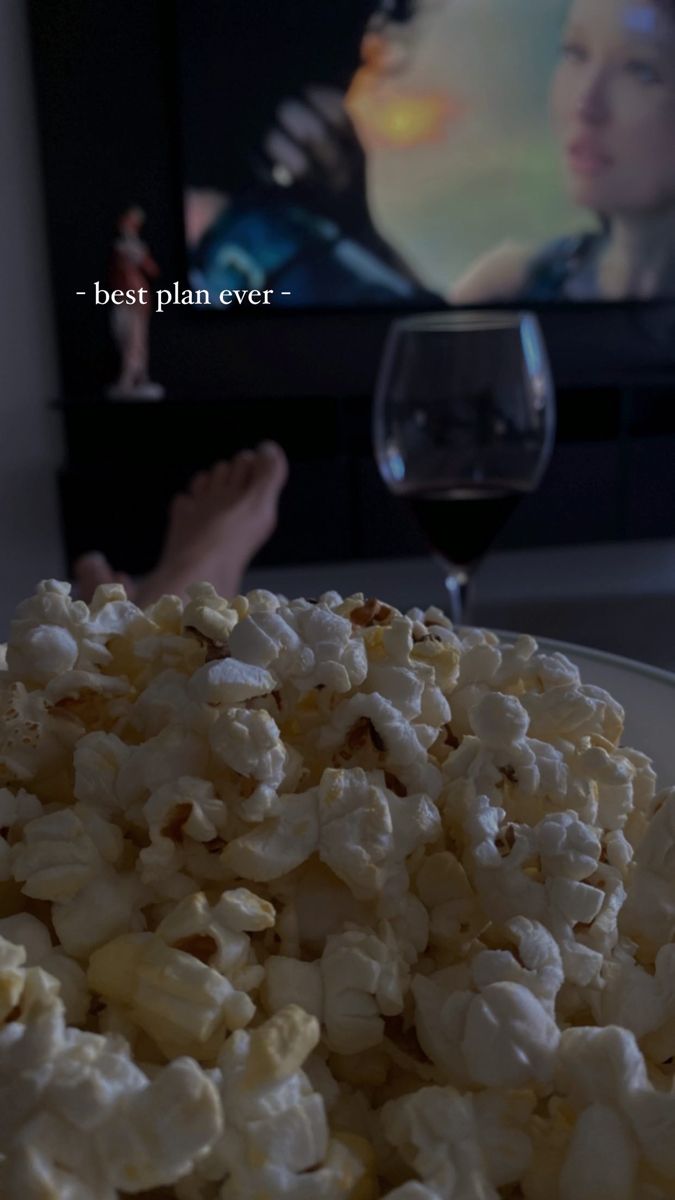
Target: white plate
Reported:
[(646, 693)]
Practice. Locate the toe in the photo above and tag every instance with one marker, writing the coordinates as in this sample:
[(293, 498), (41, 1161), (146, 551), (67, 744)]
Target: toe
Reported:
[(219, 480), (271, 468), (241, 471), (199, 484)]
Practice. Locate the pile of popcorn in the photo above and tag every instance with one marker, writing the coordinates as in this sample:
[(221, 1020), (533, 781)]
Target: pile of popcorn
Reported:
[(317, 900)]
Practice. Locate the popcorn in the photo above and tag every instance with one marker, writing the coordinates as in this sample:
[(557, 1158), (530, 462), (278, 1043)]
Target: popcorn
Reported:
[(444, 889), (184, 1005), (642, 1002), (35, 743), (98, 759), (538, 966), (525, 776), (568, 847), (206, 613), (229, 682), (323, 905), (84, 1120), (602, 1158), (404, 745), (524, 662), (603, 1068), (291, 981), (268, 638), (456, 1143), (166, 700), (58, 855), (509, 1038), (498, 720), (249, 742), (366, 831), (441, 654), (401, 687), (216, 934), (185, 809), (340, 661), (16, 809), (506, 1034), (280, 844), (169, 755), (362, 978), (323, 901), (11, 977), (47, 650), (277, 1138), (76, 685), (27, 932), (574, 712), (107, 905), (52, 635), (649, 912)]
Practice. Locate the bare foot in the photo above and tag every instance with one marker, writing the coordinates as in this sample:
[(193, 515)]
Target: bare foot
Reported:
[(92, 569), (215, 528)]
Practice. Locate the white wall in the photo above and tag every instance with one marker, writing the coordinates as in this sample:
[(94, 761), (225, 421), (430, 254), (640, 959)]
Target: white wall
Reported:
[(30, 450)]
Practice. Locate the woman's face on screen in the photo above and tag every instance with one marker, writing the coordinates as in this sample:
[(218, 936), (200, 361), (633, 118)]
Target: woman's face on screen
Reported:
[(613, 105)]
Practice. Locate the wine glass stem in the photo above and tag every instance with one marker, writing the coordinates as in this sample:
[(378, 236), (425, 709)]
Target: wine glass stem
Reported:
[(457, 587)]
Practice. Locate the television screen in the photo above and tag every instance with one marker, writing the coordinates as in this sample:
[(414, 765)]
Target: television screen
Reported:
[(399, 153)]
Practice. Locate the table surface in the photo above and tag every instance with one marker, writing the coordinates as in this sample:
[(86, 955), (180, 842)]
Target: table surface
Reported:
[(618, 597)]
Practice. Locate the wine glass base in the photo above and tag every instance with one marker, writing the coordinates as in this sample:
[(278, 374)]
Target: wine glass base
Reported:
[(457, 586)]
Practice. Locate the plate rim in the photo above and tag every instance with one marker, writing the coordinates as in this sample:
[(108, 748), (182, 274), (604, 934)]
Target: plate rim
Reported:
[(647, 670)]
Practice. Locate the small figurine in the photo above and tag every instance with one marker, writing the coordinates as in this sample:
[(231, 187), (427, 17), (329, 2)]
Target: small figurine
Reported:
[(132, 268)]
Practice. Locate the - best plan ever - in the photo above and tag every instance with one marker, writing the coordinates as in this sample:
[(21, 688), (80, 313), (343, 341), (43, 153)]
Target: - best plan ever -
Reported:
[(163, 297)]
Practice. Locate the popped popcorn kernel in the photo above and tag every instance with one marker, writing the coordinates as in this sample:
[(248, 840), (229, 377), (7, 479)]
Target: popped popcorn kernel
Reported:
[(325, 901)]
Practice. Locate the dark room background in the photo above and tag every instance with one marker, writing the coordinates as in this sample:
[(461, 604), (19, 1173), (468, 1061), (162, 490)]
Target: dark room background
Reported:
[(108, 108)]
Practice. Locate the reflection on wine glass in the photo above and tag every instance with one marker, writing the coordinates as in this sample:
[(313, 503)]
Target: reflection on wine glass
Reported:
[(464, 423)]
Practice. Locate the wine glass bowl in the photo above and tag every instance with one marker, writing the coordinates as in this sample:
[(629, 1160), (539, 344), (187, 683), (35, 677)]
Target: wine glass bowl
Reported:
[(464, 422)]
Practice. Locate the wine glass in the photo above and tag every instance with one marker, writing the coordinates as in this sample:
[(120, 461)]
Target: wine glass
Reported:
[(464, 423)]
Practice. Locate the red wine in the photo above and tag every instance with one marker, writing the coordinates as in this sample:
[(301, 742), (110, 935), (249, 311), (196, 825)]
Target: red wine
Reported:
[(461, 523)]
